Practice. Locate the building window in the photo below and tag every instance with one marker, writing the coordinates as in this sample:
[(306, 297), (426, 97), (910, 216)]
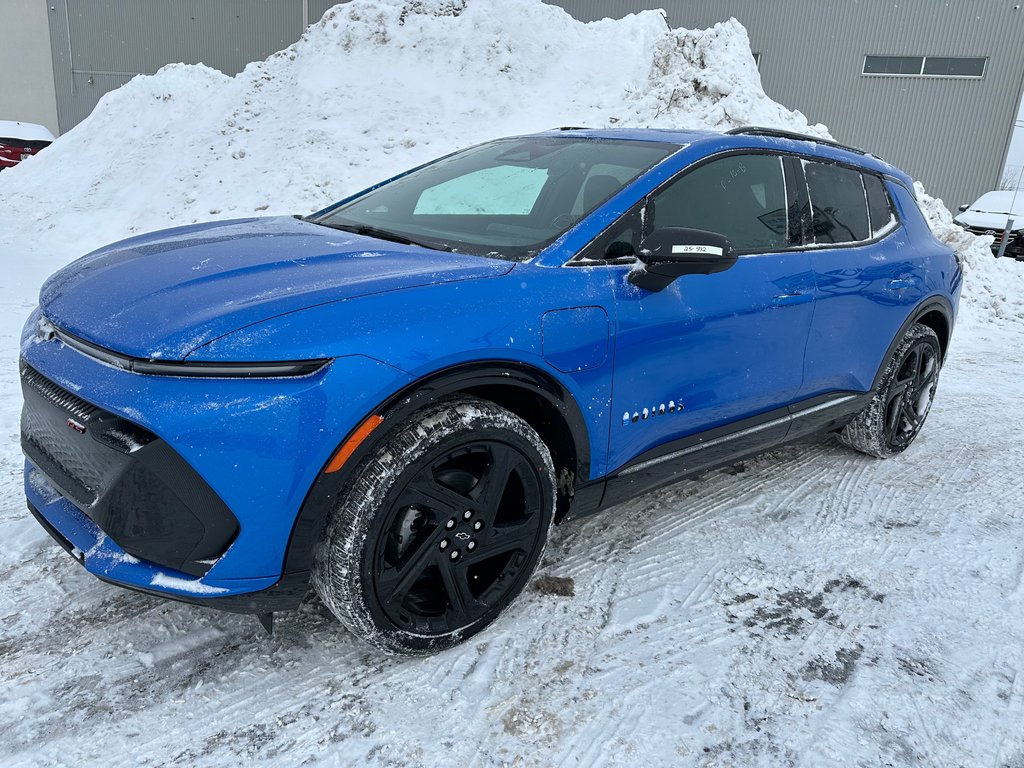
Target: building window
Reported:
[(926, 66), (893, 65), (945, 66)]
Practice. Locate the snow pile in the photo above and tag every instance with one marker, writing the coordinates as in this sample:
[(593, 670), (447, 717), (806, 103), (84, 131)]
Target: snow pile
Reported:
[(378, 86), (708, 79), (993, 288), (375, 87)]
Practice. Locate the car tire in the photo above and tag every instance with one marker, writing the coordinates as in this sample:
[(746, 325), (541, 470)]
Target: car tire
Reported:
[(896, 413), (439, 529)]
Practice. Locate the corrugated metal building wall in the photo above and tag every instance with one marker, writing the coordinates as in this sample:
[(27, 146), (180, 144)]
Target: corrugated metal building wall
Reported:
[(951, 133), (99, 45)]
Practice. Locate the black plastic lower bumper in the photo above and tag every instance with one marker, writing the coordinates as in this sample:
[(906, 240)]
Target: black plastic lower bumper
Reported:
[(129, 482), (285, 595)]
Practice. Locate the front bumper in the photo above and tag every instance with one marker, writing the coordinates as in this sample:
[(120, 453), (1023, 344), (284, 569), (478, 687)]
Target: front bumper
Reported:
[(127, 506), (1014, 246), (103, 558), (126, 480), (243, 455)]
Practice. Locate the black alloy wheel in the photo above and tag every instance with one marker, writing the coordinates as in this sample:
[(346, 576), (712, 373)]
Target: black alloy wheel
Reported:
[(440, 528), (900, 405), (459, 537), (911, 393)]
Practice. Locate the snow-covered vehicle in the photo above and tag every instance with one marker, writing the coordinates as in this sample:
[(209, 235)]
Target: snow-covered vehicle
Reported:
[(395, 397), (989, 214), (19, 141)]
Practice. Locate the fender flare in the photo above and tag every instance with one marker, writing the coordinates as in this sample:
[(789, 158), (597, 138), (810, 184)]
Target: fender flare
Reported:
[(468, 377), (934, 303)]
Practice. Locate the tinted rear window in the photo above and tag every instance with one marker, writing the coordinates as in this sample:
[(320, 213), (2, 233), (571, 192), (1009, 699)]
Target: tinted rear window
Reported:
[(838, 203)]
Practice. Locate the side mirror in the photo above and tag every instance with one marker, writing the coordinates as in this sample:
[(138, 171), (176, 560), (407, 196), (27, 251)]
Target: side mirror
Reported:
[(672, 252), (964, 208)]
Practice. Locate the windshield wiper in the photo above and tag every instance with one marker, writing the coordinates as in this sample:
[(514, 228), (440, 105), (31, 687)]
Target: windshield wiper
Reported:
[(380, 234)]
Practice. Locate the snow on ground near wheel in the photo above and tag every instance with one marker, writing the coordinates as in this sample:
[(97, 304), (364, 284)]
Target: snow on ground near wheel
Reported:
[(810, 607)]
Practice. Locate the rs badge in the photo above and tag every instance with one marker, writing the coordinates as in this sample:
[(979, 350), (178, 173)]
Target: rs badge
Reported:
[(79, 428)]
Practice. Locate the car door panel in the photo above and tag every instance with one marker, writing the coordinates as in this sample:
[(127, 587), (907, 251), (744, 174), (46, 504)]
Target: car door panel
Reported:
[(864, 292), (710, 350)]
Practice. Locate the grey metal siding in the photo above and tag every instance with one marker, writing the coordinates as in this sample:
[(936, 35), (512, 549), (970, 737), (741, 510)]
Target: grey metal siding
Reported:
[(952, 134), (317, 9), (99, 45)]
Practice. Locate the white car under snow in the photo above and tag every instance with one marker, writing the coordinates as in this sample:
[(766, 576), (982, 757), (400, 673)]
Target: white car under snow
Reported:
[(988, 215), (19, 141)]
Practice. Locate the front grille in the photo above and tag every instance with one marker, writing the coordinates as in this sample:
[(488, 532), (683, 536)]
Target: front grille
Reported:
[(64, 453), (56, 394), (134, 486), (1014, 245)]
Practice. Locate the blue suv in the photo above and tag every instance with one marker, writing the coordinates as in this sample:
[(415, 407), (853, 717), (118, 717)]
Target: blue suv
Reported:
[(394, 398)]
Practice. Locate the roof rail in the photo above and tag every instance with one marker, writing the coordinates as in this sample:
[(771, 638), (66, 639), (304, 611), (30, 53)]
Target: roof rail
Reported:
[(570, 128), (756, 130)]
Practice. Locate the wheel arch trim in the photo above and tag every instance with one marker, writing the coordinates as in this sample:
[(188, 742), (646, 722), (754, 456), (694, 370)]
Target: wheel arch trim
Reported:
[(470, 378), (935, 303)]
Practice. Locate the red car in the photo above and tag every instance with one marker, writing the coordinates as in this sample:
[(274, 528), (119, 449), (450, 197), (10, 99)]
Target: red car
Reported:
[(21, 140)]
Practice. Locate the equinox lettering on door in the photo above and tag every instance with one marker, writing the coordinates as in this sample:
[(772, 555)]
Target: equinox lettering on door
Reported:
[(648, 413)]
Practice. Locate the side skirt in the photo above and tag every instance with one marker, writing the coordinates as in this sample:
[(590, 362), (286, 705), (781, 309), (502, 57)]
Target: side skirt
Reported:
[(690, 455)]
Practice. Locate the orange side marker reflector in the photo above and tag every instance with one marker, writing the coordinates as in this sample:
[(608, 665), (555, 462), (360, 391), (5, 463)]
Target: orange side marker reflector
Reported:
[(345, 452)]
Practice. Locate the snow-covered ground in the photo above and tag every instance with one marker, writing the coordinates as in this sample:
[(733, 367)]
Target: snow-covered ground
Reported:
[(810, 607)]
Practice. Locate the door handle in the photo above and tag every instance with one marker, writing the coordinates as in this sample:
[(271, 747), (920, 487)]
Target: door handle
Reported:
[(791, 299)]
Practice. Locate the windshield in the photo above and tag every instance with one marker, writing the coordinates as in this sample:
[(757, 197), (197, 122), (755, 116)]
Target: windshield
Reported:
[(1006, 203), (506, 199)]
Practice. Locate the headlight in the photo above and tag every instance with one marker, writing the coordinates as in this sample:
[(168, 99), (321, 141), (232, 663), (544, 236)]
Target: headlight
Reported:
[(210, 370)]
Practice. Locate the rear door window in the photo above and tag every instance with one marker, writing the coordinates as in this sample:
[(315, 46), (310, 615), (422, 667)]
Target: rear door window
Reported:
[(839, 210), (740, 196)]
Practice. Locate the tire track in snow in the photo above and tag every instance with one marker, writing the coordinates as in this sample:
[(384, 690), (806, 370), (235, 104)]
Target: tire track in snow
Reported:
[(649, 663)]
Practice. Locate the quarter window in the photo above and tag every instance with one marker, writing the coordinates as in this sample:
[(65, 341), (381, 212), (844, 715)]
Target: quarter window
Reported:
[(879, 208), (838, 203), (742, 197)]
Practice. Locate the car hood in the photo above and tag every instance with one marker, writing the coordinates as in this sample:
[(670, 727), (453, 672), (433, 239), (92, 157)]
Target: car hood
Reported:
[(991, 210), (162, 295), (985, 220)]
